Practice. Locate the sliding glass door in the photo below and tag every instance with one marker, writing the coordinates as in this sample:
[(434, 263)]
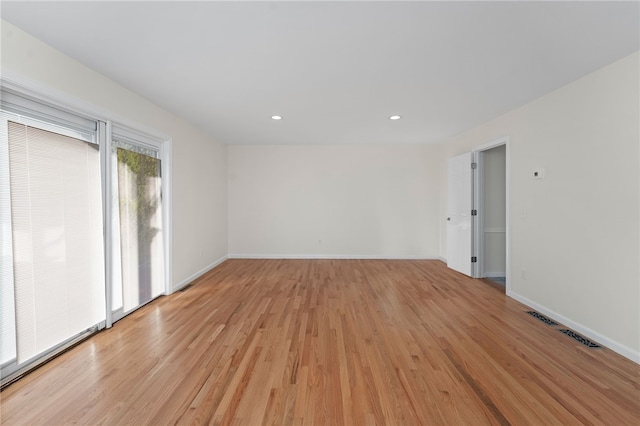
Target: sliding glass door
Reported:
[(83, 238), (138, 254)]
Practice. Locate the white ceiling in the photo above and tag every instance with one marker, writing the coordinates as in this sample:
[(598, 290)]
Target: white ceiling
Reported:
[(336, 70)]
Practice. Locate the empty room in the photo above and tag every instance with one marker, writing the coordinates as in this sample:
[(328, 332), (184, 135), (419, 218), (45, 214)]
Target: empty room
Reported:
[(320, 213)]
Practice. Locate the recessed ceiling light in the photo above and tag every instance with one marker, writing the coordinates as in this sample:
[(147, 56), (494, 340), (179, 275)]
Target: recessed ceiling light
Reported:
[(394, 117), (276, 117)]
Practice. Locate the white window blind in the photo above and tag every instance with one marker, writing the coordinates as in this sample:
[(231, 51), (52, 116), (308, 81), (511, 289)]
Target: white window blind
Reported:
[(56, 214), (7, 307)]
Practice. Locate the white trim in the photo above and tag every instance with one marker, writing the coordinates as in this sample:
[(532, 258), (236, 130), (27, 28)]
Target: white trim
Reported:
[(198, 274), (479, 236), (330, 256), (104, 135), (495, 274), (477, 203), (493, 144), (507, 155), (125, 133), (441, 259), (20, 103), (167, 214), (89, 137), (617, 347)]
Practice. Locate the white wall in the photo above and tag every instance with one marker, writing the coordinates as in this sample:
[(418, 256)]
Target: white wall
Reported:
[(494, 217), (575, 234), (334, 201), (199, 216)]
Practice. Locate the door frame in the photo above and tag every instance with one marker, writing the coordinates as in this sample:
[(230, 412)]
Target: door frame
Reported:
[(478, 197)]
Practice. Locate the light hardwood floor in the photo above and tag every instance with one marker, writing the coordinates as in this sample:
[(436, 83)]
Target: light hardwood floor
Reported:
[(330, 342)]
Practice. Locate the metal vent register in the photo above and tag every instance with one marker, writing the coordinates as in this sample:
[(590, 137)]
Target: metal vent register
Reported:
[(575, 336), (542, 318), (588, 343)]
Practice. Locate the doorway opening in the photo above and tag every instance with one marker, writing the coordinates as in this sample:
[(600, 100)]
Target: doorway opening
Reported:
[(491, 194)]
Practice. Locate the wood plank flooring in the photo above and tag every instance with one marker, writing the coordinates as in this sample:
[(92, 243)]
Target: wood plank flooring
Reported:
[(330, 342)]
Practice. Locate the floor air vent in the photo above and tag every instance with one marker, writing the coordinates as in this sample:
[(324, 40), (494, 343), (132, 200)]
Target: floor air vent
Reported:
[(542, 318), (580, 338)]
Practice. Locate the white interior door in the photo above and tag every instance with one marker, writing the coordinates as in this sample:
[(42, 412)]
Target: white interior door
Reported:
[(459, 219)]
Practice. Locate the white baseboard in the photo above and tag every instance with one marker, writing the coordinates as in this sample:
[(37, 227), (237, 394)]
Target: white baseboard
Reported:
[(587, 332), (495, 274), (441, 259), (327, 256), (198, 274)]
